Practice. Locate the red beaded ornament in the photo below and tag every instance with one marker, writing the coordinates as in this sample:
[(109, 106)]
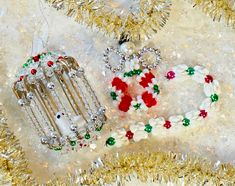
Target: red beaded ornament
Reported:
[(148, 98)]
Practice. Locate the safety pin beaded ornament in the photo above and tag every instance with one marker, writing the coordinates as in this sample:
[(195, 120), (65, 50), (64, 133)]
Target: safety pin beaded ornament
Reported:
[(59, 102), (155, 126), (132, 66)]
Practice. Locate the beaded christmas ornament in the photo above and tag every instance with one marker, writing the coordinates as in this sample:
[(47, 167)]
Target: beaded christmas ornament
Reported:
[(59, 101), (133, 68), (155, 126)]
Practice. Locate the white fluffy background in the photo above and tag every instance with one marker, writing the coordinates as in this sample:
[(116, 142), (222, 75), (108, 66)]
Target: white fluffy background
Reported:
[(189, 37)]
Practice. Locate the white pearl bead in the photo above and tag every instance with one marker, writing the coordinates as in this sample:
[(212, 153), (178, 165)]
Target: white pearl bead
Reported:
[(128, 48)]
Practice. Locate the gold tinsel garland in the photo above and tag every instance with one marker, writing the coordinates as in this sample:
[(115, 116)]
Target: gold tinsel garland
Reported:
[(13, 166), (150, 17), (159, 167), (145, 23), (218, 9)]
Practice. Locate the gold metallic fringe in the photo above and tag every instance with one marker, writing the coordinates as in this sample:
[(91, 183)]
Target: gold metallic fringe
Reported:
[(218, 9), (157, 167), (13, 166), (133, 27)]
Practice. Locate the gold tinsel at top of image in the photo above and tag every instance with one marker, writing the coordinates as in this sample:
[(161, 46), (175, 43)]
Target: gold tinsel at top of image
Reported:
[(142, 25), (218, 9), (147, 19), (159, 167)]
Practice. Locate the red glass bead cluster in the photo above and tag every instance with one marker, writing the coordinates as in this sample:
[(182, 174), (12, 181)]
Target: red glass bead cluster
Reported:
[(126, 99)]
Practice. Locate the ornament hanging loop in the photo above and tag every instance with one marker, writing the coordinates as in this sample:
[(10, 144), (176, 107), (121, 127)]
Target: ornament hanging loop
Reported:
[(127, 53), (122, 60), (142, 61)]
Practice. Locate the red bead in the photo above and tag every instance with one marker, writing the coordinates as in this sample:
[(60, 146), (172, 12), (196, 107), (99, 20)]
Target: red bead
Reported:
[(209, 79), (129, 134), (60, 57), (203, 113), (125, 103), (119, 84), (147, 79), (33, 71), (21, 78), (36, 58), (148, 99), (167, 124), (50, 63), (170, 75)]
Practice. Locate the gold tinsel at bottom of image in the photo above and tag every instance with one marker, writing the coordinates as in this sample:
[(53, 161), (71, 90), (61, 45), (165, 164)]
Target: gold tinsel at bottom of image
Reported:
[(159, 167)]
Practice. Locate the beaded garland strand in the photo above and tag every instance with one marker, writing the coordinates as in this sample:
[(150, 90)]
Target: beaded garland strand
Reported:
[(139, 131)]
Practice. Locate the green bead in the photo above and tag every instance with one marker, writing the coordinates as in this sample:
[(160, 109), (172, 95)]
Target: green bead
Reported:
[(25, 65), (29, 61), (73, 143), (139, 72), (131, 73), (137, 106), (87, 136), (57, 148), (156, 89), (41, 56), (135, 71), (214, 98), (148, 128), (126, 74), (49, 53), (186, 122), (113, 95), (190, 71), (110, 141), (98, 129)]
